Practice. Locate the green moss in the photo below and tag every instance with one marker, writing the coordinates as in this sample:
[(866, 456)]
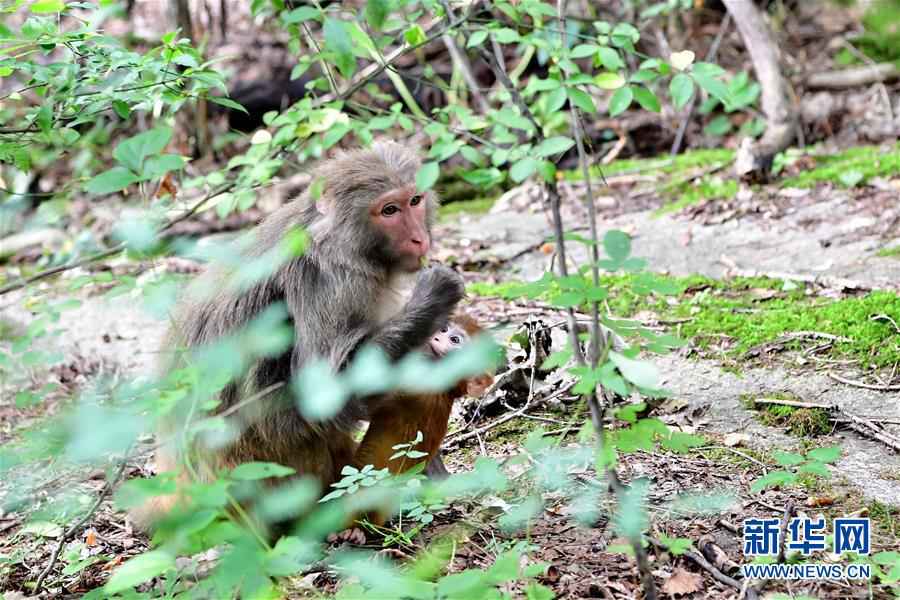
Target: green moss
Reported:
[(867, 161), (678, 164), (478, 206), (889, 252), (708, 188), (801, 422), (743, 313)]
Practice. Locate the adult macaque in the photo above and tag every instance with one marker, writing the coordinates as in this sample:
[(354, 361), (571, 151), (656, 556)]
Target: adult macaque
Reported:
[(370, 231), (428, 413)]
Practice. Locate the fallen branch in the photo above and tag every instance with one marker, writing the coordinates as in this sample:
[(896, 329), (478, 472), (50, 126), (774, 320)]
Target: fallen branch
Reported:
[(864, 426), (867, 386), (853, 77), (707, 566)]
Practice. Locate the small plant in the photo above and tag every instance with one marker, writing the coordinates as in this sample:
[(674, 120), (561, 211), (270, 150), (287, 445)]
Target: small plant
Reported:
[(796, 465), (353, 479)]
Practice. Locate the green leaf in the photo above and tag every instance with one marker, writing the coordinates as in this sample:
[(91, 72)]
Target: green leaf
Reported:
[(132, 152), (554, 145), (505, 35), (427, 176), (609, 80), (773, 479), (253, 471), (512, 119), (581, 99), (376, 13), (828, 454), (610, 58), (620, 101), (787, 459), (583, 51), (681, 89), (301, 14), (158, 166), (713, 87), (523, 169), (851, 178), (227, 102), (139, 569), (719, 126), (483, 178), (617, 245), (114, 180), (48, 6), (121, 108), (415, 36), (477, 38), (646, 98), (815, 468), (641, 373), (337, 41)]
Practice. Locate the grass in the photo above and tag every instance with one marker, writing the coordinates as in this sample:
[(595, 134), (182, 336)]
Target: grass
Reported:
[(747, 312), (670, 166), (863, 162)]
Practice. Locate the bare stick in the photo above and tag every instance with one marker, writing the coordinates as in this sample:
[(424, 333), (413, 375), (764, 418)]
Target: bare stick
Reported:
[(868, 386), (71, 531), (19, 284), (704, 564), (594, 353), (853, 77)]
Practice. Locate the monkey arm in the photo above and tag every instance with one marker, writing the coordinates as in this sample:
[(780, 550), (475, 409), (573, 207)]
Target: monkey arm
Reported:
[(438, 289)]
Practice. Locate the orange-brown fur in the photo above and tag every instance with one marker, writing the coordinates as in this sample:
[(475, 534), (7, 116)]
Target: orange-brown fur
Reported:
[(428, 413)]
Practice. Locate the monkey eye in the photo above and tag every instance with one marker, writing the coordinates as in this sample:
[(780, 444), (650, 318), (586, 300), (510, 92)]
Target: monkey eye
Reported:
[(455, 339), (389, 210), (415, 200)]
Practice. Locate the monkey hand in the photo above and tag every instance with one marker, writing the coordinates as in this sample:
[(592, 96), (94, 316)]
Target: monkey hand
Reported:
[(439, 287)]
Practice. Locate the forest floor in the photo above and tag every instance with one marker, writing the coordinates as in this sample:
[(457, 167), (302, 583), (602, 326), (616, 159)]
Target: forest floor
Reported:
[(769, 256)]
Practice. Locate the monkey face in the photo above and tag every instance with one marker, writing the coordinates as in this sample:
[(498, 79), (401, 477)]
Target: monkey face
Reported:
[(449, 338), (400, 217)]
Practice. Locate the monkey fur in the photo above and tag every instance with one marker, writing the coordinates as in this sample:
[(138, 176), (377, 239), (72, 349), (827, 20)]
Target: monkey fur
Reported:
[(369, 233), (428, 413)]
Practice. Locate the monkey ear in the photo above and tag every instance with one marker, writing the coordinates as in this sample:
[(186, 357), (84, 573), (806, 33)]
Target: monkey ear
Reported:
[(478, 384)]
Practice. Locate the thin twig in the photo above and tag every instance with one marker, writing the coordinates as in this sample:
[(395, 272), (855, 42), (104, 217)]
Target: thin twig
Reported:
[(886, 318), (71, 531), (25, 281), (704, 564), (454, 439), (594, 353), (868, 386)]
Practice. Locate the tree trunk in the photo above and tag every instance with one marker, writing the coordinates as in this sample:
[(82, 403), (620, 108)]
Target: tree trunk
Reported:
[(754, 161)]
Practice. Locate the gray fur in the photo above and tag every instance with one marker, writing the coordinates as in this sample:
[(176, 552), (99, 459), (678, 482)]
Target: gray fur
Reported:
[(330, 293)]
